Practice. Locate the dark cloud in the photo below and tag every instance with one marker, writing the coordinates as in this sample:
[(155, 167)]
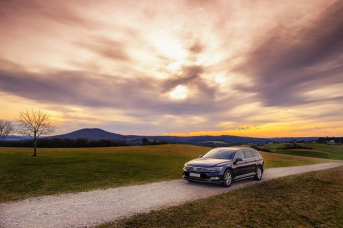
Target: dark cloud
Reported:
[(288, 64), (196, 48), (94, 90), (107, 48), (189, 75), (6, 65)]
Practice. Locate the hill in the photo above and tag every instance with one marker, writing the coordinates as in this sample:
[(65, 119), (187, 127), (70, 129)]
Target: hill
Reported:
[(92, 134), (17, 137)]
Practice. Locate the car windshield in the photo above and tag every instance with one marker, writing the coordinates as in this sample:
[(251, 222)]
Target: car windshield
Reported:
[(220, 154)]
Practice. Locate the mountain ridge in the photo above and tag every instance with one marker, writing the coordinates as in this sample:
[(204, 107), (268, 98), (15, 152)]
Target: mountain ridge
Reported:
[(98, 134), (92, 134)]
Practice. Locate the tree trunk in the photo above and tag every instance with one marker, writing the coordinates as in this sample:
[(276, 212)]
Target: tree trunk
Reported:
[(35, 144)]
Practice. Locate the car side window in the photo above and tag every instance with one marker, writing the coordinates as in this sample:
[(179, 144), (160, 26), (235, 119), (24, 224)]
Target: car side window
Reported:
[(240, 154), (254, 152), (248, 154)]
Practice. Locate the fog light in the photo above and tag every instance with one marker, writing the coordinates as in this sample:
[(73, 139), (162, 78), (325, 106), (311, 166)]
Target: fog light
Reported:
[(214, 178)]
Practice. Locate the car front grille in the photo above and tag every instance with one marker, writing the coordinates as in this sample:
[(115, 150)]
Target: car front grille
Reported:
[(197, 169)]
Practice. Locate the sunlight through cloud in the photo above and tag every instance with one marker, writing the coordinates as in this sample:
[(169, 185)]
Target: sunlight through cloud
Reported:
[(179, 92)]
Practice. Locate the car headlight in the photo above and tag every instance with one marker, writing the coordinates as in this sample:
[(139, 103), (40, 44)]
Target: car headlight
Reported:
[(215, 169), (185, 166)]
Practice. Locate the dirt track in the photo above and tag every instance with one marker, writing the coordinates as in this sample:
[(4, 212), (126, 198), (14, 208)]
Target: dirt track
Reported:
[(87, 209)]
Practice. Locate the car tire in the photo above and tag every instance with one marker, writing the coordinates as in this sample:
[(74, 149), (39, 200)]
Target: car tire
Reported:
[(227, 178), (259, 173)]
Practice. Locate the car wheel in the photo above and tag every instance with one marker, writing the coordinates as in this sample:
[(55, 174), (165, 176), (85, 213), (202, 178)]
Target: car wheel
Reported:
[(227, 178), (259, 173)]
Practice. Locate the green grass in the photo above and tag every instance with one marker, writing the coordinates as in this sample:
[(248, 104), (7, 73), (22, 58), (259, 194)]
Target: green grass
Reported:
[(319, 150), (313, 199), (273, 160), (306, 153), (337, 149), (56, 171), (72, 170)]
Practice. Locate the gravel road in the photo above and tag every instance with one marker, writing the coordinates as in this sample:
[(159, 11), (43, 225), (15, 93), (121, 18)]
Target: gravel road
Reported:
[(91, 208)]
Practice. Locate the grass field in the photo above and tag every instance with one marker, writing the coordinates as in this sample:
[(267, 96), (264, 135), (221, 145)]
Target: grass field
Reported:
[(319, 150), (56, 171), (309, 200)]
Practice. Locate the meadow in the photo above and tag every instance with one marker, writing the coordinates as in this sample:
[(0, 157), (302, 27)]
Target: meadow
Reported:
[(327, 151), (62, 170), (312, 199)]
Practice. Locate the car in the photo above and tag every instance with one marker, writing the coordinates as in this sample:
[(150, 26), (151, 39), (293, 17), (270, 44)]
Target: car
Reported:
[(224, 165)]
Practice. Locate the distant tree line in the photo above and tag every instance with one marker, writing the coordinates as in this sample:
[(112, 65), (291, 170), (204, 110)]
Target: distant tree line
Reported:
[(146, 141), (293, 146), (254, 146), (330, 139), (64, 143)]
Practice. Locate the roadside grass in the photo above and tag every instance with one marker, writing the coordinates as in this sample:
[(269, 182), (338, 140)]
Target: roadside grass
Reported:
[(65, 170), (79, 169), (313, 199)]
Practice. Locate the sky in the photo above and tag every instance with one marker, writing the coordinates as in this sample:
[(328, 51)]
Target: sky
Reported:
[(184, 67)]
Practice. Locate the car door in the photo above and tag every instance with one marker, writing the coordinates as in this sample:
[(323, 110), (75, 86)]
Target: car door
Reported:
[(240, 165), (250, 161)]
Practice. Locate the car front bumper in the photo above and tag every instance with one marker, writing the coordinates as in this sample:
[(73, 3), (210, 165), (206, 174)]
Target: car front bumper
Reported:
[(214, 178)]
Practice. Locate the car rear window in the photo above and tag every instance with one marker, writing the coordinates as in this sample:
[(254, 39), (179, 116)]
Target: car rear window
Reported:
[(248, 154), (255, 153)]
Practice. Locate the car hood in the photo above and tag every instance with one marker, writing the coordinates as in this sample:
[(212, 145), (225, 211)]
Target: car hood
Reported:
[(208, 162)]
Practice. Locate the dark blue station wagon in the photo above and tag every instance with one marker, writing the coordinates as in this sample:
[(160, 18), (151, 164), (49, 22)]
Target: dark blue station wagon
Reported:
[(225, 165)]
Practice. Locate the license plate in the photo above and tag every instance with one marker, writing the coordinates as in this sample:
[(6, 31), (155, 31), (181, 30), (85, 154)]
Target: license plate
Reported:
[(194, 174)]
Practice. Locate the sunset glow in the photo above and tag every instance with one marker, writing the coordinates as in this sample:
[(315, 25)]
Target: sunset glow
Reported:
[(185, 67)]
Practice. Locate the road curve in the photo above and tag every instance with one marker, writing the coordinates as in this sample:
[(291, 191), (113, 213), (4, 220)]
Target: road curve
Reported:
[(91, 208)]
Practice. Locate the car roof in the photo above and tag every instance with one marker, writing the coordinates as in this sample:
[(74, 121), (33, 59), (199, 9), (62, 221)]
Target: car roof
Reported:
[(232, 148)]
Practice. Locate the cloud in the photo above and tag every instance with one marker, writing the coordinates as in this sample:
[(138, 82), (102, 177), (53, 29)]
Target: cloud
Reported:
[(40, 11), (108, 49), (107, 91), (289, 63), (196, 48), (239, 63), (188, 75)]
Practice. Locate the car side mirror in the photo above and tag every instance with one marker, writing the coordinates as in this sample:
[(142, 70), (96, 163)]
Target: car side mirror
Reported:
[(200, 156), (239, 159)]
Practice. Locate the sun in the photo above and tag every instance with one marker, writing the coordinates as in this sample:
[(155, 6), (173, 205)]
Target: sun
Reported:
[(179, 92), (170, 47)]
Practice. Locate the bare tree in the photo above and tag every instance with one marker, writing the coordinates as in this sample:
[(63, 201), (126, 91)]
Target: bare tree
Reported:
[(34, 123), (145, 141), (6, 127)]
